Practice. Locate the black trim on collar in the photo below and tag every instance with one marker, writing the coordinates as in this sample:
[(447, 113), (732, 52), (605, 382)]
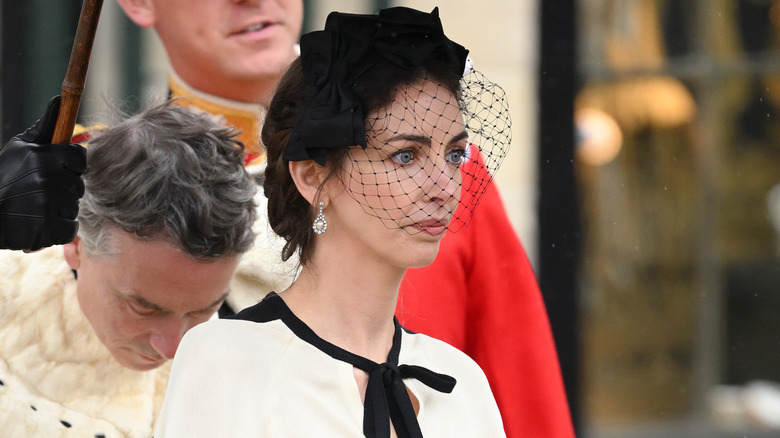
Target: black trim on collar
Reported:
[(386, 396)]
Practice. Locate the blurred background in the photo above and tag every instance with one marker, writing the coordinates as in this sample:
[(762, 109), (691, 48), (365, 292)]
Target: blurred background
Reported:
[(643, 180)]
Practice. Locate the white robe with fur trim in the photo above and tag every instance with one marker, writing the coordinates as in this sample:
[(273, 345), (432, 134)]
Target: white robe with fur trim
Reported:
[(58, 379)]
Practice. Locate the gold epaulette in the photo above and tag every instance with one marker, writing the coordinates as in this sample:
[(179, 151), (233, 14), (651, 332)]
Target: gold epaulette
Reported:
[(246, 117)]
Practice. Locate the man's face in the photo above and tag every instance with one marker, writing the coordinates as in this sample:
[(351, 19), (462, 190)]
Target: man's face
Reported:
[(227, 47), (141, 300)]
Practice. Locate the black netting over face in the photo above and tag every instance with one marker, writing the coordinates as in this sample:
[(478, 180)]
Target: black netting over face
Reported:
[(430, 154)]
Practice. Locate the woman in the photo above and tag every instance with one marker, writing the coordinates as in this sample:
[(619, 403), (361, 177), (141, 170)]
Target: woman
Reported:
[(367, 138)]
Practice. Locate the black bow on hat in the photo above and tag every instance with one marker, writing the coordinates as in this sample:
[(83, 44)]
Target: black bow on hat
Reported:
[(350, 45)]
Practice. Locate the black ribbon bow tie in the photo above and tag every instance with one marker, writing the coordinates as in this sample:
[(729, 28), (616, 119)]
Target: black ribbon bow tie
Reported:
[(386, 396)]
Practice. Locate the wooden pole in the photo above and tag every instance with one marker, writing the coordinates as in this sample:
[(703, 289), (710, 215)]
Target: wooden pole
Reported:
[(73, 85)]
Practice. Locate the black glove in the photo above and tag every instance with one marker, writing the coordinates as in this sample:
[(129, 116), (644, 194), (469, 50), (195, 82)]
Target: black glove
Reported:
[(40, 187)]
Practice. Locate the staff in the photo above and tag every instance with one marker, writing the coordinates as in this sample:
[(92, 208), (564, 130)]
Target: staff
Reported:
[(73, 85)]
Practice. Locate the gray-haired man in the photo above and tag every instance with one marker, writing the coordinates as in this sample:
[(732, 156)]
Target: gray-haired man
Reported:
[(86, 328)]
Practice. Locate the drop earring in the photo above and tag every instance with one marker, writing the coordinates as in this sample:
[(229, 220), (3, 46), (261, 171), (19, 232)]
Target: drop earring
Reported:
[(320, 224)]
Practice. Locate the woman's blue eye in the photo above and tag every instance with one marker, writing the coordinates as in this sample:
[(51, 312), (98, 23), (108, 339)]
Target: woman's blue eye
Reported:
[(403, 157), (456, 156)]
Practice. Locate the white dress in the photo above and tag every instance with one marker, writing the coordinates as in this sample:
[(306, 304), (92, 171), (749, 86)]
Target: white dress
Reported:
[(269, 375)]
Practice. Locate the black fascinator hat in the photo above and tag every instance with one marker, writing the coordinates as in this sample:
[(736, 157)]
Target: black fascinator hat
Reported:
[(333, 59)]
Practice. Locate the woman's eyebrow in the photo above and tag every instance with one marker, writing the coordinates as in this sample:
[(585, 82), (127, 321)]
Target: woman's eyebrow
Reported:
[(415, 138), (462, 136), (422, 139)]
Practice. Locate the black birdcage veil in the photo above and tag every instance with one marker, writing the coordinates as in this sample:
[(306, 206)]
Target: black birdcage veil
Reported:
[(443, 150), (486, 113), (427, 155)]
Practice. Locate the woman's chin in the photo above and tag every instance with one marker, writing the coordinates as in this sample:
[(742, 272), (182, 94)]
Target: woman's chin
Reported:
[(424, 258)]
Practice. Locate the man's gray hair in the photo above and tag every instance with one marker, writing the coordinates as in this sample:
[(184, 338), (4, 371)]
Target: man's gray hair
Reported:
[(169, 174)]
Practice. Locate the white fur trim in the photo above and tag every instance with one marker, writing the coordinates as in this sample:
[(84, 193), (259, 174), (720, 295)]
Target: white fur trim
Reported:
[(50, 358)]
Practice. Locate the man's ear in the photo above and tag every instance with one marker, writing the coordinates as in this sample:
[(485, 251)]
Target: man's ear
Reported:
[(308, 177), (141, 12), (72, 253)]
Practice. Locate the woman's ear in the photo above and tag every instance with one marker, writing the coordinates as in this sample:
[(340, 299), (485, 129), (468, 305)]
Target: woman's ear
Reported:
[(141, 12), (73, 253), (308, 177)]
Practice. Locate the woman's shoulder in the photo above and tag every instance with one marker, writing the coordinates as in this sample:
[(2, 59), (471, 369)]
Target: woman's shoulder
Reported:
[(417, 348), (472, 390), (223, 342), (237, 332)]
